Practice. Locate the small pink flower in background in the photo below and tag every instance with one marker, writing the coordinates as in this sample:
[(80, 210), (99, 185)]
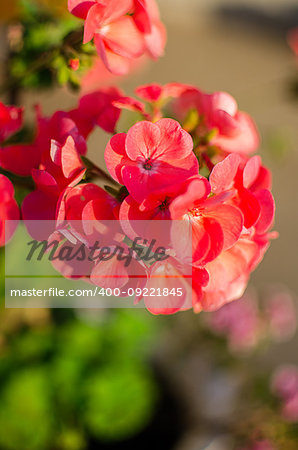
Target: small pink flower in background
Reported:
[(239, 321), (273, 318), (122, 30), (293, 40), (150, 157), (9, 210), (232, 130), (284, 384), (290, 409), (11, 120), (281, 315)]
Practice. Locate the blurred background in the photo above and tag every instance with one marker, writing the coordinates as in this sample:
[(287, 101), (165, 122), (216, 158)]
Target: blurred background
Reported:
[(125, 379)]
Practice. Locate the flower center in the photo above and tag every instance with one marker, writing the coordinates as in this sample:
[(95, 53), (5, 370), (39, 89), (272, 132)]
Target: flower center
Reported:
[(147, 164), (195, 212), (164, 205)]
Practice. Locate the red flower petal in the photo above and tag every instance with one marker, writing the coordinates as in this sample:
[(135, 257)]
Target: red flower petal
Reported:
[(230, 220), (115, 156), (267, 205), (123, 38), (223, 174)]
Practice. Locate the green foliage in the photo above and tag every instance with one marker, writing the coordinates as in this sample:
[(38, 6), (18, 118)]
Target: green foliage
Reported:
[(63, 383), (42, 47), (118, 401), (26, 414), (191, 120)]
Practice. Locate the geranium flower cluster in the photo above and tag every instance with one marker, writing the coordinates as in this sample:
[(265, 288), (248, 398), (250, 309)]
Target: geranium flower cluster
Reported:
[(197, 170), (123, 30)]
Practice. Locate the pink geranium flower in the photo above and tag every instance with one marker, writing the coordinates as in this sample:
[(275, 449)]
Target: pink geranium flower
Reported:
[(122, 30), (83, 217), (82, 202), (220, 121), (60, 170), (84, 206), (9, 210), (249, 182), (147, 18), (113, 273), (156, 206), (150, 157), (215, 226), (210, 224), (94, 109), (22, 158), (11, 120), (97, 109), (156, 95), (147, 219), (173, 276), (114, 31)]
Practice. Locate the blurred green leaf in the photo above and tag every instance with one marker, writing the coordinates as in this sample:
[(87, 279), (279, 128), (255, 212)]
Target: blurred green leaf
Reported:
[(26, 414), (119, 401)]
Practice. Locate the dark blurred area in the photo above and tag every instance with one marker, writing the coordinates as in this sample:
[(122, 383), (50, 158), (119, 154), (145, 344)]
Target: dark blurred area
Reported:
[(277, 23)]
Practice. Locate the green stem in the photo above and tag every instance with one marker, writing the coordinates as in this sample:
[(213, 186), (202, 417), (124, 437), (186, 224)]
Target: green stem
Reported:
[(97, 171)]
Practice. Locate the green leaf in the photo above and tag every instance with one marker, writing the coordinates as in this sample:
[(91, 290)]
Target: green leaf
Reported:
[(26, 415), (119, 401)]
